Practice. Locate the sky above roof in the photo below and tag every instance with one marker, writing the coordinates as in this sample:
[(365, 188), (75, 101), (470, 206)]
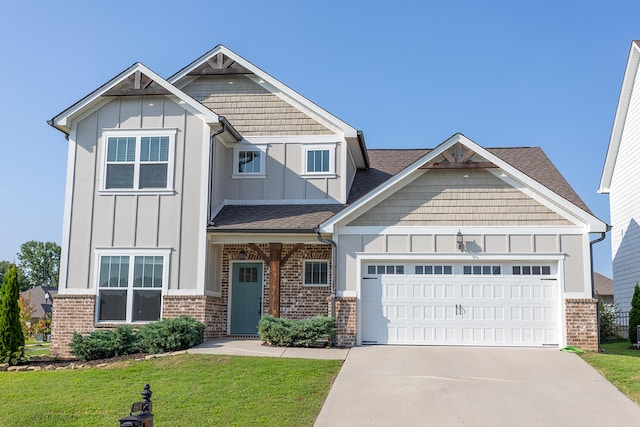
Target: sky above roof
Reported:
[(409, 74)]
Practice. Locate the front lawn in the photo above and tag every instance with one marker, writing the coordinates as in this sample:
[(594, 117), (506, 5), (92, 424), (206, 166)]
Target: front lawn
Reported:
[(620, 366), (187, 389), (36, 348)]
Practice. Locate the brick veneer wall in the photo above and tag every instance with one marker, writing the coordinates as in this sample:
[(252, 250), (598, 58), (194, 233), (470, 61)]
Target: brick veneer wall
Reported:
[(206, 309), (70, 313), (582, 323), (346, 311), (296, 300)]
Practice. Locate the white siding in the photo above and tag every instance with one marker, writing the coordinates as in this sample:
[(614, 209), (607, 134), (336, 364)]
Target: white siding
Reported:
[(625, 206)]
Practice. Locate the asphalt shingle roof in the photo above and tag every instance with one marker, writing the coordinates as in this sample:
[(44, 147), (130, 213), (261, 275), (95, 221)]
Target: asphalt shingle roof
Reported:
[(385, 163)]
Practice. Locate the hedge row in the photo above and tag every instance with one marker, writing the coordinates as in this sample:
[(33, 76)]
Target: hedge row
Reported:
[(295, 333), (157, 337)]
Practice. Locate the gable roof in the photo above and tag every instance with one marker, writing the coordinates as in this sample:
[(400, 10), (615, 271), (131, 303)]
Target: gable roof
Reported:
[(101, 95), (223, 59), (602, 285), (622, 109), (385, 165), (541, 177)]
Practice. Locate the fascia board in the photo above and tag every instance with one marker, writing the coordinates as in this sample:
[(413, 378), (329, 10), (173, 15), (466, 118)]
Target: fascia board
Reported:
[(62, 120), (347, 130), (622, 109)]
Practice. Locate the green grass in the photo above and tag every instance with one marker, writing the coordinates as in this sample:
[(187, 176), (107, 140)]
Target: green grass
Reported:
[(620, 366), (35, 348), (198, 390)]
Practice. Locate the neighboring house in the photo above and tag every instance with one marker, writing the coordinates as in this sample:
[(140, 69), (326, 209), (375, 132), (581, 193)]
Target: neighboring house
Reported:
[(41, 297), (620, 178), (222, 194), (603, 287)]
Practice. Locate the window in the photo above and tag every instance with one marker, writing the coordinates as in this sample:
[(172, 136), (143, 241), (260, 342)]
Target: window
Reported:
[(531, 270), (130, 287), (249, 161), (319, 159), (316, 273), (139, 160), (434, 269), (385, 269), (482, 270)]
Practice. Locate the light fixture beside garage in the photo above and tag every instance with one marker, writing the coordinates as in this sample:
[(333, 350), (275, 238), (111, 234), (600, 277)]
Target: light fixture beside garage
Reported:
[(460, 241)]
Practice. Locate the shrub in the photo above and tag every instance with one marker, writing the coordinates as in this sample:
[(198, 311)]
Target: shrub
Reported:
[(608, 331), (295, 333), (11, 335), (634, 315), (104, 344), (171, 335)]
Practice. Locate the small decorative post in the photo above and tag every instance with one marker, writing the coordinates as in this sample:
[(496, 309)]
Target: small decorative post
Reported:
[(140, 415)]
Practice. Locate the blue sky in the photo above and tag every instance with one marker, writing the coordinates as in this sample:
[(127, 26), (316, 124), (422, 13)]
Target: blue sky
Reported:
[(408, 73)]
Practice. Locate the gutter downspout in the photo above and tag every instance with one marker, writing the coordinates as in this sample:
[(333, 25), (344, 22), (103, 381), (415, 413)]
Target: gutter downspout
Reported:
[(603, 235), (211, 148), (334, 258)]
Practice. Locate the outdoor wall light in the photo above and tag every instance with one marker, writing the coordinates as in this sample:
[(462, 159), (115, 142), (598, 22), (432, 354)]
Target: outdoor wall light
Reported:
[(242, 254), (460, 241)]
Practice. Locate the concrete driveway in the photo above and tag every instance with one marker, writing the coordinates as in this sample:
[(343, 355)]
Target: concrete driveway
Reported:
[(468, 386)]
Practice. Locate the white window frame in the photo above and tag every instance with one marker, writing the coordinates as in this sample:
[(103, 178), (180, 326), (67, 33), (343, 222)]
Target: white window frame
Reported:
[(138, 134), (236, 159), (331, 147), (304, 272), (131, 253)]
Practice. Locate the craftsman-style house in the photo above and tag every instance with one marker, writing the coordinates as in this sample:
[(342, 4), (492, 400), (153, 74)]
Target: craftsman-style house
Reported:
[(223, 194)]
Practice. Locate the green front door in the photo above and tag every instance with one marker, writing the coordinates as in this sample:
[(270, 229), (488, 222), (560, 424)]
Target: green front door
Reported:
[(246, 298)]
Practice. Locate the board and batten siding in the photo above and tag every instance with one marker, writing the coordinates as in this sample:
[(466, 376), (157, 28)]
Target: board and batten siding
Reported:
[(624, 202), (397, 243), (127, 221), (284, 176), (252, 109), (463, 197)]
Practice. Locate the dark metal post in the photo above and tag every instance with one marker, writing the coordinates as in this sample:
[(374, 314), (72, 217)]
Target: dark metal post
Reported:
[(140, 415)]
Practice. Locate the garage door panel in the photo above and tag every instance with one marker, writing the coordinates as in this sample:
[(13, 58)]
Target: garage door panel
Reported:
[(459, 309)]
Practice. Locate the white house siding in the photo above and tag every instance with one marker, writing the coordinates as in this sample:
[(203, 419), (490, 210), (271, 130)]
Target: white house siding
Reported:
[(463, 197), (126, 221), (624, 200), (252, 109)]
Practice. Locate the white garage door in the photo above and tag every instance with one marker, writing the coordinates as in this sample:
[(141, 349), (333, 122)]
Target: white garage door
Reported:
[(459, 304)]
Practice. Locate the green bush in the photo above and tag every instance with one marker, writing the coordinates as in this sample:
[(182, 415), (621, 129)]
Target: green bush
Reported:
[(171, 335), (157, 337), (634, 315), (608, 332), (295, 333), (105, 344), (11, 336)]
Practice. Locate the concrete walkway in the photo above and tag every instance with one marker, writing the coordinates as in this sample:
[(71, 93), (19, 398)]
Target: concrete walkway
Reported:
[(254, 347), (463, 386)]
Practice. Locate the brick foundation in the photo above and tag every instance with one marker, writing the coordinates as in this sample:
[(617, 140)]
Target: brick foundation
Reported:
[(71, 313), (346, 323), (582, 323)]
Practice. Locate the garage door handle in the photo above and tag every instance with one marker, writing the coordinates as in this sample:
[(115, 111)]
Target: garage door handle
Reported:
[(456, 309)]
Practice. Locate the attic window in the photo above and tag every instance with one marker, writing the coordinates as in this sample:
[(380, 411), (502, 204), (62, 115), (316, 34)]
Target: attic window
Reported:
[(319, 159)]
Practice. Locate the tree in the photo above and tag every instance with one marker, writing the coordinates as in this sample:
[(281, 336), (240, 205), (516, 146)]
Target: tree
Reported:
[(40, 262), (634, 315), (26, 312), (11, 336), (4, 266)]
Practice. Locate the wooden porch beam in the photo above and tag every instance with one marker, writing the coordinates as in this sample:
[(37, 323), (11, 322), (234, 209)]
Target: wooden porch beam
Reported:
[(275, 252)]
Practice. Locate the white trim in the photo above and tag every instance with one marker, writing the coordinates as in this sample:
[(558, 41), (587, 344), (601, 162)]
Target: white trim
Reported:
[(412, 172), (63, 120), (331, 148), (346, 294), (171, 133), (205, 177), (174, 292), (215, 294), (131, 253), (257, 202), (261, 148), (67, 216), (460, 257), (577, 295), (76, 291), (626, 91), (466, 230)]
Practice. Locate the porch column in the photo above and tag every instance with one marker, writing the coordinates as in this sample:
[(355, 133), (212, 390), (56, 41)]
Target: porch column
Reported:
[(275, 252)]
